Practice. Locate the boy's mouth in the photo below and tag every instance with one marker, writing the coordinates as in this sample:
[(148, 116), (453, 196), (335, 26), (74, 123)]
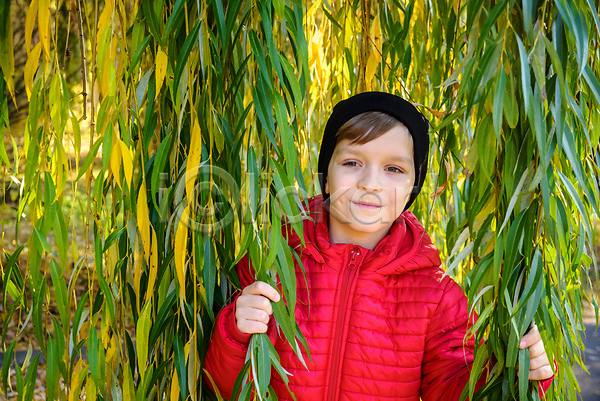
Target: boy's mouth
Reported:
[(367, 205)]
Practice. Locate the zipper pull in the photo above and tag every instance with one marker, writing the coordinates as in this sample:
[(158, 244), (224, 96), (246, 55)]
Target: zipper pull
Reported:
[(353, 254)]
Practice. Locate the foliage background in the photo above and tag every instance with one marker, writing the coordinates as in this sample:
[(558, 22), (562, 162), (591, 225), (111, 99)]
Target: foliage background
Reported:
[(162, 138)]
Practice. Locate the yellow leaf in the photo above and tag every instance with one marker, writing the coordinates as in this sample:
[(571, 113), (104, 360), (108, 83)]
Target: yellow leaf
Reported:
[(143, 219), (112, 257), (31, 67), (44, 26), (111, 77), (161, 69), (193, 161), (153, 266), (180, 248), (29, 22), (214, 385), (105, 17), (128, 388), (105, 332), (456, 7), (142, 335), (115, 162), (372, 64), (193, 372), (137, 278), (376, 34), (75, 383), (59, 167), (174, 387), (438, 114), (127, 162), (90, 389), (112, 350)]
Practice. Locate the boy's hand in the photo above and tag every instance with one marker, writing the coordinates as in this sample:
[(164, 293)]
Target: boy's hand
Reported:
[(539, 366), (253, 308)]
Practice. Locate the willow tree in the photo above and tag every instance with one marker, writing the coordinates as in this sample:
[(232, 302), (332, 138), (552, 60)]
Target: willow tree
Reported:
[(193, 128)]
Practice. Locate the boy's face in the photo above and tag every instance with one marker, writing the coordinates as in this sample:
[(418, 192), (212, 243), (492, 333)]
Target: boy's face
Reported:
[(369, 186)]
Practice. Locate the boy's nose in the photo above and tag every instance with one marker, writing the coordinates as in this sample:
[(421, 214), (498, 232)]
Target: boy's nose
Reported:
[(369, 181)]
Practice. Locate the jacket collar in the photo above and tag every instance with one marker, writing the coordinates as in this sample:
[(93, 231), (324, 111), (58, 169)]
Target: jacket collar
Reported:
[(405, 248)]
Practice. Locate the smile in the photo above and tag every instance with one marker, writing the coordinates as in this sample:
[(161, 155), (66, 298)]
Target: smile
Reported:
[(367, 205)]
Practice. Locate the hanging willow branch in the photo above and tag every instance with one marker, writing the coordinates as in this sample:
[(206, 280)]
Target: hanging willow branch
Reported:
[(83, 61)]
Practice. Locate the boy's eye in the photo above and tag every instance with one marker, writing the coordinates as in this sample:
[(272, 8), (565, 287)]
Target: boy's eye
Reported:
[(394, 169), (350, 163)]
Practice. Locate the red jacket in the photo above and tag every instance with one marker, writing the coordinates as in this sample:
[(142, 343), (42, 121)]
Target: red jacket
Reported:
[(381, 324)]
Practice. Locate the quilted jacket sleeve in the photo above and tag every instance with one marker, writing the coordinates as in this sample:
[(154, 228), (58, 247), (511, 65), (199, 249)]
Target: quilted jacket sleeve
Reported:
[(448, 358), (228, 346)]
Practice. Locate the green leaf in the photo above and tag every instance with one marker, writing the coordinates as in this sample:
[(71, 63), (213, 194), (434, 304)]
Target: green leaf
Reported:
[(51, 369), (576, 22), (160, 158), (293, 86), (498, 103), (490, 20), (93, 357), (39, 293), (523, 373), (61, 236), (282, 316), (77, 317), (163, 317), (592, 81), (59, 339), (263, 359), (260, 59), (152, 20), (7, 362), (220, 20), (514, 198), (331, 18), (242, 379), (89, 158), (525, 74), (184, 54), (60, 292), (137, 56), (41, 241), (264, 112), (179, 362), (175, 19), (112, 238), (210, 274), (577, 200), (30, 378)]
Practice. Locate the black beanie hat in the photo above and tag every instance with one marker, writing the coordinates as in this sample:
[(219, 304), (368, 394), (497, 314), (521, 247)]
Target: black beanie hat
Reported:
[(387, 103)]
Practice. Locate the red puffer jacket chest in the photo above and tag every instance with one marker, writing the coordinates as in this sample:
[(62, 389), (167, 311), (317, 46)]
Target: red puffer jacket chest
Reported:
[(366, 322)]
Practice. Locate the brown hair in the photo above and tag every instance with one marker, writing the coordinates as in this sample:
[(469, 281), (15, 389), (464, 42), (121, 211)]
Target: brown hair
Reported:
[(366, 127)]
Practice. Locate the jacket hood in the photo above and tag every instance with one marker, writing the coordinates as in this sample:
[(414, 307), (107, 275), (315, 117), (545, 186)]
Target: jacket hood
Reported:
[(405, 248)]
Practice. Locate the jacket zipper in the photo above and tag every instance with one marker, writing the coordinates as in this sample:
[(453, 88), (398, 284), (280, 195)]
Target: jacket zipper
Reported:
[(348, 278)]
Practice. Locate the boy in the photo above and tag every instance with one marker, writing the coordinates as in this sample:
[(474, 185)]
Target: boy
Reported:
[(382, 323)]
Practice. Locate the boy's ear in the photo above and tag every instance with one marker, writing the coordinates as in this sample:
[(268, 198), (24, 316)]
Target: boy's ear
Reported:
[(326, 187)]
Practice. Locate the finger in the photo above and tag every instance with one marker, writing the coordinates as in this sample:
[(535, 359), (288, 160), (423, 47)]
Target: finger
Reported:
[(255, 302), (532, 337), (251, 327), (543, 373), (536, 350), (252, 314), (264, 289), (540, 361)]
